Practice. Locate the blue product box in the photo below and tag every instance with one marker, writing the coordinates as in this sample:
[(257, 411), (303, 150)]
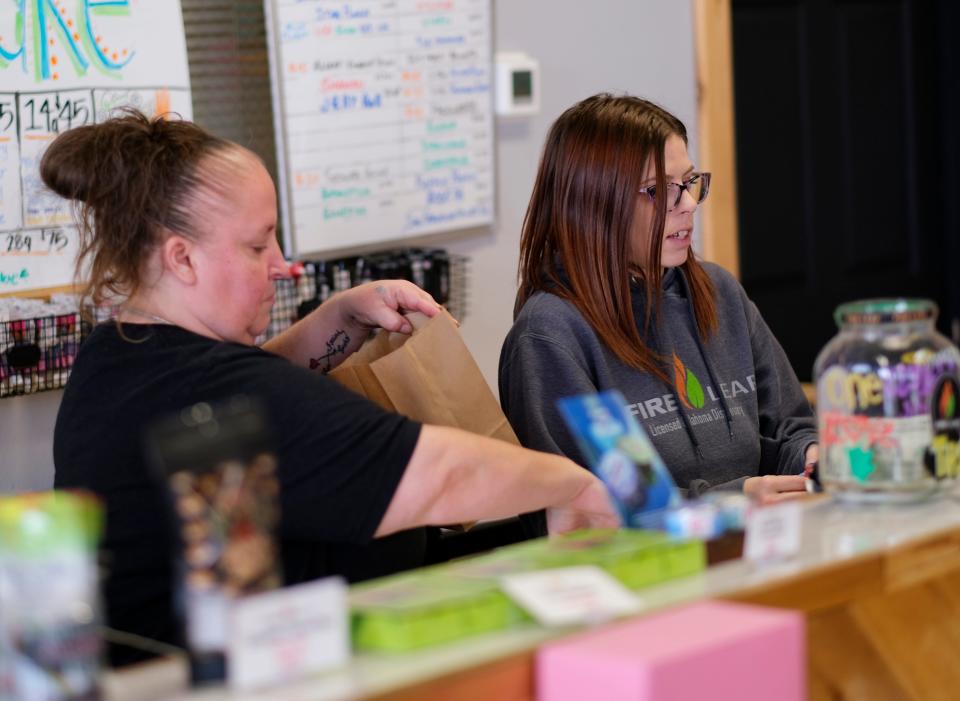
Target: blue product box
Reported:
[(622, 456)]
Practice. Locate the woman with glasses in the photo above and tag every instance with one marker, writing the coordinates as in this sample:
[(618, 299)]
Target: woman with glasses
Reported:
[(612, 297)]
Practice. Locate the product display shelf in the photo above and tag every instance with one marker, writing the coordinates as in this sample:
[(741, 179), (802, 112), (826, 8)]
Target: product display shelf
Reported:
[(874, 582)]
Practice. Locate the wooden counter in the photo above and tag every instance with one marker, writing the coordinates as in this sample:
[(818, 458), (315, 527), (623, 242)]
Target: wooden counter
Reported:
[(880, 586)]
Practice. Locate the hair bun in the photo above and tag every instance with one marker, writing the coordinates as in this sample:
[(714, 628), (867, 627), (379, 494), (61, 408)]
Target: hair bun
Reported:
[(66, 164), (83, 161)]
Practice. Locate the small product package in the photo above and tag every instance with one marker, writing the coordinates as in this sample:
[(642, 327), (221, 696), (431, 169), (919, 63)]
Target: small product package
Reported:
[(424, 608), (622, 456), (50, 626), (224, 491)]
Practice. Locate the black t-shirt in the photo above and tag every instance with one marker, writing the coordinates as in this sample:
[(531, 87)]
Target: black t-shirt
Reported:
[(340, 460)]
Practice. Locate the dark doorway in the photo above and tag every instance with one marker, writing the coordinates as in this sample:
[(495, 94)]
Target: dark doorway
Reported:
[(846, 121)]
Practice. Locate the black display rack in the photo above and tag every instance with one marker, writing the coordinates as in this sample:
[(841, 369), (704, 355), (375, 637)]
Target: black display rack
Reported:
[(37, 354), (442, 274)]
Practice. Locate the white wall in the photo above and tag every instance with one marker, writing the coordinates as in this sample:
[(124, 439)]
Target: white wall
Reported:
[(644, 47), (26, 441)]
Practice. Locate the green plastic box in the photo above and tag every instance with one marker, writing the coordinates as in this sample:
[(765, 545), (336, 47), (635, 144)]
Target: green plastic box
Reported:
[(459, 599), (424, 608)]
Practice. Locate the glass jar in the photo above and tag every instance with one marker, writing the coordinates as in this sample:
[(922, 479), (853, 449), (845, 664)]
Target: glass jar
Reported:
[(887, 394)]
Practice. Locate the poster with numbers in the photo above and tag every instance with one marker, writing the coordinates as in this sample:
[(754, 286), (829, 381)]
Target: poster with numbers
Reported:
[(384, 118), (64, 64)]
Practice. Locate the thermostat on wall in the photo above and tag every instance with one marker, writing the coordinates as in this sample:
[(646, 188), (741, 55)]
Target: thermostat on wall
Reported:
[(517, 84)]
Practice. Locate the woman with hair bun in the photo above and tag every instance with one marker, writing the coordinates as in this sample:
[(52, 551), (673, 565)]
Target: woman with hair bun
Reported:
[(612, 297), (178, 227)]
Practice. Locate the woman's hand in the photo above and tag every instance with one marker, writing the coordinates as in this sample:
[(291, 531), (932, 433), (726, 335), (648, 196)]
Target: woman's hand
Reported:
[(770, 489), (339, 326), (591, 508), (381, 304), (812, 456)]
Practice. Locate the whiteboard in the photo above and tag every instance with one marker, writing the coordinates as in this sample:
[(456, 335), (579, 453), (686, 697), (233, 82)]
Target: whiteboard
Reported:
[(384, 118), (64, 65)]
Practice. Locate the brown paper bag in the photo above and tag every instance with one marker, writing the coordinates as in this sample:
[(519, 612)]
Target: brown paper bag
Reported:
[(428, 376)]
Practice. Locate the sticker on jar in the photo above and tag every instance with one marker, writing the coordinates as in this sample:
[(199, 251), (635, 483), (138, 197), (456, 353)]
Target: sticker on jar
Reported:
[(910, 384), (870, 449), (943, 456), (900, 389), (848, 392)]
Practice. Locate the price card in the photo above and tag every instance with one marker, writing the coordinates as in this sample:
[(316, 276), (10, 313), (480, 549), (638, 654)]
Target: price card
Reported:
[(42, 116), (570, 595), (284, 635), (10, 215), (773, 532)]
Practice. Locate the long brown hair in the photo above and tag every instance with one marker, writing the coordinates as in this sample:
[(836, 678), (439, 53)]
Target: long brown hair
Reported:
[(132, 178), (576, 232)]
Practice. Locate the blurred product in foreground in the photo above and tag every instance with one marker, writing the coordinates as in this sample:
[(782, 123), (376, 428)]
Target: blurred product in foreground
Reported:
[(223, 487), (50, 640)]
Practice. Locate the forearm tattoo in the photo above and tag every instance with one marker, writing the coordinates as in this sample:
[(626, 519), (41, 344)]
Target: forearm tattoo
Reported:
[(336, 345)]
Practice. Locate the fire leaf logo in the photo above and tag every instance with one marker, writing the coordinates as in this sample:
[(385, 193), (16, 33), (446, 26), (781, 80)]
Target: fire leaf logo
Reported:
[(689, 389), (948, 402)]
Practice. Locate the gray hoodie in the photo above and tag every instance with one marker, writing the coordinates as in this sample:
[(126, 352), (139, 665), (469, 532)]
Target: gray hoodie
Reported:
[(736, 411)]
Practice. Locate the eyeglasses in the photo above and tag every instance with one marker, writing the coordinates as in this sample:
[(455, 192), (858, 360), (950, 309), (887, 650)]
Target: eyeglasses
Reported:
[(698, 185)]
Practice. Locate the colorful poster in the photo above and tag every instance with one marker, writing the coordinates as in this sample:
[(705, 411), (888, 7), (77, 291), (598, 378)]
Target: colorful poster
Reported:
[(64, 64)]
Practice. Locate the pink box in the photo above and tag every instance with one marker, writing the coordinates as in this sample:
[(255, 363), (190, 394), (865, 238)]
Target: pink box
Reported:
[(710, 651)]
